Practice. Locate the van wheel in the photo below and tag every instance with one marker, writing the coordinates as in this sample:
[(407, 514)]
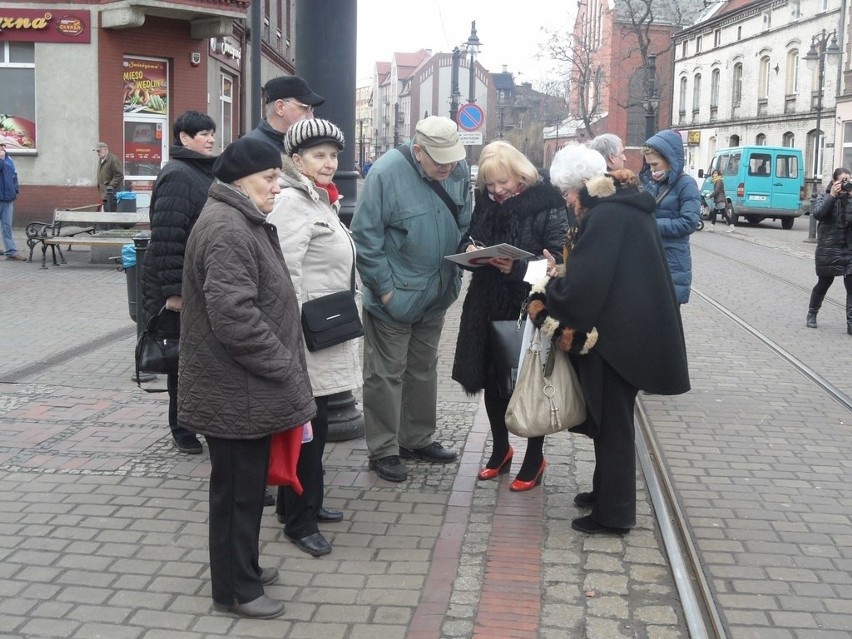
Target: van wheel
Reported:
[(787, 223), (754, 220)]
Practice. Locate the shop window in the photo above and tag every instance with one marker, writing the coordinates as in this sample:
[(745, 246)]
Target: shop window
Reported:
[(17, 96)]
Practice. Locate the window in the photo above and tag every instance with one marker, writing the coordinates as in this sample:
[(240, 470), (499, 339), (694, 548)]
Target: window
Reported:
[(682, 96), (767, 20), (733, 164), (763, 86), (698, 44), (226, 110), (760, 139), (847, 144), (17, 98), (715, 79), (684, 49), (787, 166), (795, 11), (739, 33), (696, 94), (717, 37), (789, 139), (737, 85), (791, 85)]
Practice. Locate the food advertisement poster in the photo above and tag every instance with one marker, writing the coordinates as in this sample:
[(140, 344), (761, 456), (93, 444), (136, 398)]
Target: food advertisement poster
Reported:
[(17, 132), (146, 86)]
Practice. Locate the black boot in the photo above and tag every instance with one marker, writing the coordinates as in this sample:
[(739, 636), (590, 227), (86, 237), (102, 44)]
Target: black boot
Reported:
[(813, 309), (849, 314)]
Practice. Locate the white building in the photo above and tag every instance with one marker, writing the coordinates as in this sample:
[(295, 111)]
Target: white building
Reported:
[(740, 79)]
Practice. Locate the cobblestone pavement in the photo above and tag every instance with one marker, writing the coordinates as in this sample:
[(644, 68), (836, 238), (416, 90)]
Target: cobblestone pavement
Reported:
[(103, 525)]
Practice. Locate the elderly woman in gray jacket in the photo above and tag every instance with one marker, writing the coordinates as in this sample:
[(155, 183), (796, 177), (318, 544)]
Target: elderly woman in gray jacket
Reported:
[(242, 369), (320, 256)]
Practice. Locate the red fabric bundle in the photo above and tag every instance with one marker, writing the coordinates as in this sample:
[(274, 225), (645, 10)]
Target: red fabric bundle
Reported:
[(284, 450)]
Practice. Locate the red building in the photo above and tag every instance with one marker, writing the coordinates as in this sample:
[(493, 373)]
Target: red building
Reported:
[(76, 73)]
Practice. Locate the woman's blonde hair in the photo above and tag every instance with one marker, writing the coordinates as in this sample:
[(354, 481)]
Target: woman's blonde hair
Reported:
[(500, 159)]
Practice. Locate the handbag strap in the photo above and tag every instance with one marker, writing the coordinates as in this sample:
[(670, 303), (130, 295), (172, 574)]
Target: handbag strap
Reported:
[(432, 184)]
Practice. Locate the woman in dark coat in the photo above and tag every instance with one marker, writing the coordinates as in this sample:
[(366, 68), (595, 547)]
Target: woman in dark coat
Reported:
[(242, 366), (176, 201), (513, 205), (834, 244), (616, 284)]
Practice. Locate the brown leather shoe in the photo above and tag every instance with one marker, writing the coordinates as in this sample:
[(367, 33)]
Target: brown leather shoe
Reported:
[(17, 257)]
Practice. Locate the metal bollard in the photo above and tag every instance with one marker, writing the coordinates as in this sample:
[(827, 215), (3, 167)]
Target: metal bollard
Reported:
[(140, 243)]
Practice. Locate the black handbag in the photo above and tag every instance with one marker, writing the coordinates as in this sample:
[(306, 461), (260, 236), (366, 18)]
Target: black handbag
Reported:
[(505, 340), (158, 347), (332, 319)]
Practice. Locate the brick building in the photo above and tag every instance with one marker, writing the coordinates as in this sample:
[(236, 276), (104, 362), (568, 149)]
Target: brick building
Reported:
[(75, 73)]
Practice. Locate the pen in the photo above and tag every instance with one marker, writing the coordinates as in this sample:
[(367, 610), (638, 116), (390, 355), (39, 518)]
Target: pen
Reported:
[(473, 241)]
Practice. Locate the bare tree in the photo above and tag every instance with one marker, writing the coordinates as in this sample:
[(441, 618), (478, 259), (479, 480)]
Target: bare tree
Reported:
[(584, 74)]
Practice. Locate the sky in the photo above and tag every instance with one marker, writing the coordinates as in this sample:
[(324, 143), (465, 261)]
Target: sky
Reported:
[(510, 31)]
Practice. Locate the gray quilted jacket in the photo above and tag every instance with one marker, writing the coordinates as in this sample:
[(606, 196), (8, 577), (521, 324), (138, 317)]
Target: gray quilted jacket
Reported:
[(242, 368)]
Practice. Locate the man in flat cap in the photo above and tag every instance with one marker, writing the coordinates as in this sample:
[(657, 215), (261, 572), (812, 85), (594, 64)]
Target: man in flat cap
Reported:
[(109, 174), (414, 209), (288, 100)]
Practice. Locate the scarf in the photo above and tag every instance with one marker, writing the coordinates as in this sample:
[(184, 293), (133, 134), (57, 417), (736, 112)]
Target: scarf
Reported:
[(330, 188)]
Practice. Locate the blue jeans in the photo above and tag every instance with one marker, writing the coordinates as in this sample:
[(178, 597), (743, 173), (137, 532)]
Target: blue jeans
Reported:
[(6, 211)]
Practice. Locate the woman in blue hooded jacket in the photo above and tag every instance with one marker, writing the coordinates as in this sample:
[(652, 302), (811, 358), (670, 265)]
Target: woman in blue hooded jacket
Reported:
[(678, 204)]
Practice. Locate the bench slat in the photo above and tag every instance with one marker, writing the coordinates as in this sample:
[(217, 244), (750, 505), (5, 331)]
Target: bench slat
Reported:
[(89, 239), (88, 218)]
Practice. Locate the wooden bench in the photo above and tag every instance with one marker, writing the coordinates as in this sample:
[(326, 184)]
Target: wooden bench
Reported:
[(78, 226)]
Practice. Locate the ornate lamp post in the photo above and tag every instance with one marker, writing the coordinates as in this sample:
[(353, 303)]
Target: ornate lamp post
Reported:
[(815, 59), (471, 49), (455, 94), (652, 99)]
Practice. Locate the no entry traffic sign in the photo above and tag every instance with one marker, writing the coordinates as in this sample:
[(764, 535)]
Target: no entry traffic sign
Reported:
[(470, 117)]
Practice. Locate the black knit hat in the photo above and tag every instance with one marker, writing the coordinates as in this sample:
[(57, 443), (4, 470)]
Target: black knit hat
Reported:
[(307, 133), (244, 157), (291, 86)]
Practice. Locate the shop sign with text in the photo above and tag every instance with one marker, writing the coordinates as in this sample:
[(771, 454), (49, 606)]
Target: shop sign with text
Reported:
[(52, 25)]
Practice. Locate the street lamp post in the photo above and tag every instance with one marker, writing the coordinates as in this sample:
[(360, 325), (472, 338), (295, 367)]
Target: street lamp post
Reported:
[(455, 94), (471, 48), (822, 45), (652, 99)]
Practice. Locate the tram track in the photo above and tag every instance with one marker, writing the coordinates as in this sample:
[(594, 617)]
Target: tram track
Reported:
[(701, 612)]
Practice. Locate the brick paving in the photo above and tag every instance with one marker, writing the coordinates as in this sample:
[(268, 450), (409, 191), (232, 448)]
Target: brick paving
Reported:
[(103, 525)]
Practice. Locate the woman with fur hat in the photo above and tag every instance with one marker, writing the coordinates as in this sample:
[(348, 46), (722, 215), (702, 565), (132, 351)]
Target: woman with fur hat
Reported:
[(513, 205), (615, 287), (242, 369), (320, 256)]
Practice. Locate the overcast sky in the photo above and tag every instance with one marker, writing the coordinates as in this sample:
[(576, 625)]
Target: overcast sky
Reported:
[(510, 32)]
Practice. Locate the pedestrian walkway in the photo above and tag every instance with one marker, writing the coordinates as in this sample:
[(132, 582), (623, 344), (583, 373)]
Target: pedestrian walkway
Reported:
[(103, 525)]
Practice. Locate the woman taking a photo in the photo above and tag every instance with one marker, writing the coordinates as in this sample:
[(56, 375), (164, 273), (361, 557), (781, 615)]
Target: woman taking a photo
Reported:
[(513, 205), (320, 257), (833, 256)]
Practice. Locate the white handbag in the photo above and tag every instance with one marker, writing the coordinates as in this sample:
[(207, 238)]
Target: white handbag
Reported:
[(545, 401)]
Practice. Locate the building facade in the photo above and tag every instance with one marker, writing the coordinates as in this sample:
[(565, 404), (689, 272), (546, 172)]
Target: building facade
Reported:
[(76, 73), (741, 79)]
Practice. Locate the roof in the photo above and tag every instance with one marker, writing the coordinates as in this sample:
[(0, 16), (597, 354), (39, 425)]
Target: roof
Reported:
[(503, 81)]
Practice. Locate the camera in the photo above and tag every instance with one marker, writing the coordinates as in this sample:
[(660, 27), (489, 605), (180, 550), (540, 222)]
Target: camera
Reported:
[(846, 185)]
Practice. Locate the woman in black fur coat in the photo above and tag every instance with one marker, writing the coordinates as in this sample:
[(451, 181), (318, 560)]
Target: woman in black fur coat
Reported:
[(513, 205)]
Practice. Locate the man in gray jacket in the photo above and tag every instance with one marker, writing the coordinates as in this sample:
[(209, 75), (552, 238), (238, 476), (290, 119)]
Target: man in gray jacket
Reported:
[(413, 211)]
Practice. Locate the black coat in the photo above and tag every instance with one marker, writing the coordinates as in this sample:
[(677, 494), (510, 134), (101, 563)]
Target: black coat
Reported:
[(617, 280), (533, 220), (833, 255), (177, 199)]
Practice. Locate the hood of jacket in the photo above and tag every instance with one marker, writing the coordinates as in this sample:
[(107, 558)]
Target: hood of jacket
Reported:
[(670, 146)]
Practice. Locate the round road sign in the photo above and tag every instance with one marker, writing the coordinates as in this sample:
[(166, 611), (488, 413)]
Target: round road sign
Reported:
[(470, 117)]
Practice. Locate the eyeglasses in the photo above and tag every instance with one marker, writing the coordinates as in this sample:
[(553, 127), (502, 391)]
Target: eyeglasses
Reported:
[(307, 108)]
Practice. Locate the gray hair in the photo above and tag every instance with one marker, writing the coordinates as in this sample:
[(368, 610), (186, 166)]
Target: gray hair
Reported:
[(607, 144), (574, 165)]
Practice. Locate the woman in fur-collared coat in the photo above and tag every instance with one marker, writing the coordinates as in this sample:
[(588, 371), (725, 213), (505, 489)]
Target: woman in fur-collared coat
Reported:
[(616, 286), (513, 205)]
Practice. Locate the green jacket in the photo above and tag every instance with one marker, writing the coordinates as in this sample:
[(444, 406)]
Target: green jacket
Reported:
[(403, 230)]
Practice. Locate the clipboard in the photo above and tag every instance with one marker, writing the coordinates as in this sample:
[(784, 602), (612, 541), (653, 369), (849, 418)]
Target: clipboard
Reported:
[(480, 257)]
